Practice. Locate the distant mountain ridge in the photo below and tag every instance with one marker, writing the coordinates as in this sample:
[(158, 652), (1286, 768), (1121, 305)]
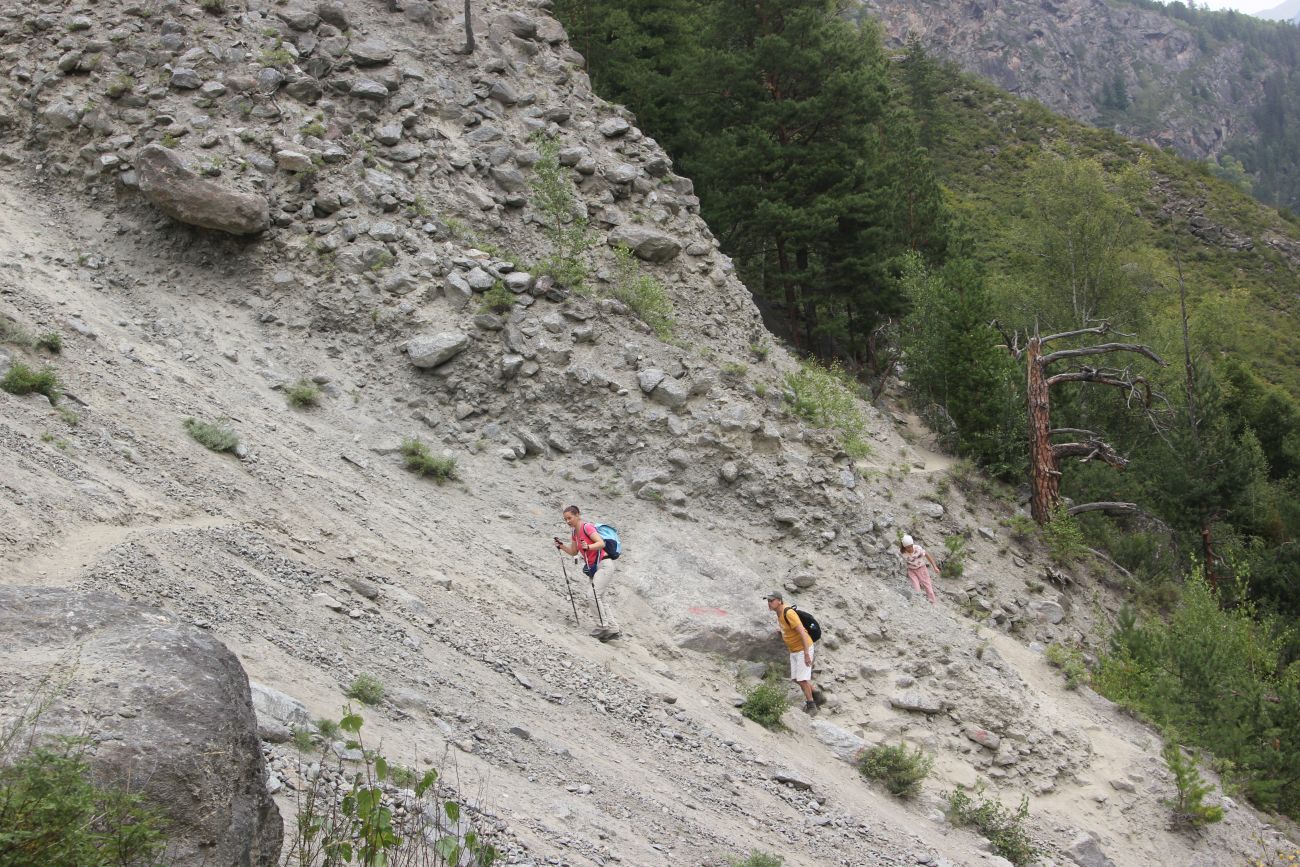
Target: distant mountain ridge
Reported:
[(1289, 10), (1206, 84)]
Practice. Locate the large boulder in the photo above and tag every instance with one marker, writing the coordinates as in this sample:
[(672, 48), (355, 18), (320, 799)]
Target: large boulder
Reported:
[(184, 196), (645, 243), (430, 350), (164, 707)]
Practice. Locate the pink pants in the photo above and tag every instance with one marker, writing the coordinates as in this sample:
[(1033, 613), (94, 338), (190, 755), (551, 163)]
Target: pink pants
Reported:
[(921, 578)]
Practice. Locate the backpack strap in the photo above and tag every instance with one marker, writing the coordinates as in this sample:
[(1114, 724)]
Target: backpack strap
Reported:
[(593, 536), (790, 609)]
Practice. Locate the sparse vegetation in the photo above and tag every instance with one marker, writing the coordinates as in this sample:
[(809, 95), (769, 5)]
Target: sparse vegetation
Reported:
[(1003, 827), (367, 689), (734, 371), (22, 379), (900, 770), (361, 825), (1189, 807), (1021, 527), (1070, 661), (315, 128), (955, 563), (279, 56), (303, 394), (421, 461), (567, 232), (759, 859), (328, 729), (1064, 539), (760, 350), (213, 7), (217, 437), (765, 703), (50, 341), (15, 335), (823, 397), (302, 738), (644, 295), (498, 299)]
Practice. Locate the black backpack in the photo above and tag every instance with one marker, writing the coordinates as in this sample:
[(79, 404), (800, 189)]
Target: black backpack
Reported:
[(810, 624)]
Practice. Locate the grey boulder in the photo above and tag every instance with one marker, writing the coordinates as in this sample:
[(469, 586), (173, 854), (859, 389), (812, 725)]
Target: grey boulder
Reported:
[(645, 243), (431, 350), (182, 195), (182, 732)]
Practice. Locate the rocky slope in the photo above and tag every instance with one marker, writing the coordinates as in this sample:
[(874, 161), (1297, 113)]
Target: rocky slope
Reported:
[(364, 181), (1177, 90)]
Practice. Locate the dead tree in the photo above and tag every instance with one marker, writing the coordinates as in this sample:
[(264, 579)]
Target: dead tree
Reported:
[(1044, 454), (469, 30)]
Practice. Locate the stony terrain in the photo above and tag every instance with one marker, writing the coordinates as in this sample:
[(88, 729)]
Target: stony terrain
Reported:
[(361, 181)]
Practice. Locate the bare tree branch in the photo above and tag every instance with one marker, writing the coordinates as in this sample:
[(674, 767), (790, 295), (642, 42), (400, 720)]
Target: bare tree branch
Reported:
[(1100, 349), (1089, 451), (1070, 430), (1103, 328)]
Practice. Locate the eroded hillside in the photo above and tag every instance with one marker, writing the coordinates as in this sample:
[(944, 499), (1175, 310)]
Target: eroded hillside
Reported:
[(400, 175)]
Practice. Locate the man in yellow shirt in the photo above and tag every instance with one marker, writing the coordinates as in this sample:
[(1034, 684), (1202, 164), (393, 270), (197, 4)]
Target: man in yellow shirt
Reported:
[(800, 645)]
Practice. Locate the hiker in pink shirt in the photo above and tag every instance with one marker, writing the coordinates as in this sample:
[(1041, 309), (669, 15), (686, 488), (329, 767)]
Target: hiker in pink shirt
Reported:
[(918, 562)]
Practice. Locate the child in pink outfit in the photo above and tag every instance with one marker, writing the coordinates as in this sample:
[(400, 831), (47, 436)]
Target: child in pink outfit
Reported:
[(918, 562)]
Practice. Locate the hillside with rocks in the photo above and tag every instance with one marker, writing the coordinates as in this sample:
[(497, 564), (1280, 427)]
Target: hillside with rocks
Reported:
[(213, 203)]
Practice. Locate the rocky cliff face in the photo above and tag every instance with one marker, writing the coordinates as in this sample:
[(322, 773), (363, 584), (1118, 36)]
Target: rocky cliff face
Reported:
[(210, 205), (1139, 71)]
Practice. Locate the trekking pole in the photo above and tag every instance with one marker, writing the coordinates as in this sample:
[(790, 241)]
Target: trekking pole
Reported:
[(569, 587)]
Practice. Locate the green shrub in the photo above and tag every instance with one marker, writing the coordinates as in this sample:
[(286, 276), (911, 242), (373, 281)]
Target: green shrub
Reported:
[(498, 299), (367, 689), (22, 379), (760, 350), (302, 738), (823, 397), (216, 7), (364, 826), (765, 703), (1021, 527), (1063, 537), (955, 563), (1002, 827), (901, 770), (734, 371), (303, 393), (50, 341), (557, 201), (217, 437), (51, 813), (329, 729), (1189, 807), (1070, 661), (644, 295), (759, 859), (403, 776), (421, 461)]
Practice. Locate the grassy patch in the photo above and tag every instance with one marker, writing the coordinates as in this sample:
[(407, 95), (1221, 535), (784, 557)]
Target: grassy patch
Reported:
[(644, 295), (421, 461), (367, 689), (303, 394), (217, 437), (498, 299), (1003, 827), (22, 379), (15, 335), (822, 396), (759, 859), (1070, 661), (900, 770), (765, 703), (50, 341)]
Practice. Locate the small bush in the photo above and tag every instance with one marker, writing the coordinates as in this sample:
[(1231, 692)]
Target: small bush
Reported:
[(215, 7), (217, 437), (557, 202), (302, 738), (1021, 527), (315, 128), (22, 379), (403, 776), (50, 341), (329, 730), (15, 335), (759, 859), (1189, 807), (498, 299), (366, 689), (644, 295), (1063, 537), (734, 371), (955, 563), (1070, 661), (52, 813), (765, 703), (421, 461), (824, 398), (899, 769), (760, 350), (303, 394), (1002, 827)]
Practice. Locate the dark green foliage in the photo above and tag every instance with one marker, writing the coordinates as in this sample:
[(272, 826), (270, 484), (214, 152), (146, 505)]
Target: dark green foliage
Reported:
[(22, 379), (53, 814), (1189, 807), (900, 770), (421, 461), (765, 703), (1002, 827), (217, 437), (1223, 679), (498, 299)]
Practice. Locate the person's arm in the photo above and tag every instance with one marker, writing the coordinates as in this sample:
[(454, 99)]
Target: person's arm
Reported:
[(569, 548), (930, 557)]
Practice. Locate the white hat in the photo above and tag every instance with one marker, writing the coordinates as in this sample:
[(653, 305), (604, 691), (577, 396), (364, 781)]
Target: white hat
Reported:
[(907, 540)]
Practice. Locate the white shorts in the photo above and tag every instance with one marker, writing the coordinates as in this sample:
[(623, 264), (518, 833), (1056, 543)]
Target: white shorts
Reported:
[(799, 670)]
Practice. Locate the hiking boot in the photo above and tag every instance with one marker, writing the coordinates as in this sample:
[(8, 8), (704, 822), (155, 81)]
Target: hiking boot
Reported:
[(605, 633), (810, 708)]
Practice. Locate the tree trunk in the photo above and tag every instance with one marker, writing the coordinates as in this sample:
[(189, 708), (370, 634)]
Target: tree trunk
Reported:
[(791, 296), (469, 30), (1044, 478)]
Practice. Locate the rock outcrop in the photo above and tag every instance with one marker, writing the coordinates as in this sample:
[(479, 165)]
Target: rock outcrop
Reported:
[(165, 707), (184, 196)]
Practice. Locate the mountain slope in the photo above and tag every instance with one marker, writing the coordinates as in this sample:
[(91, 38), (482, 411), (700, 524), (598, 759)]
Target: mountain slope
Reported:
[(317, 556)]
